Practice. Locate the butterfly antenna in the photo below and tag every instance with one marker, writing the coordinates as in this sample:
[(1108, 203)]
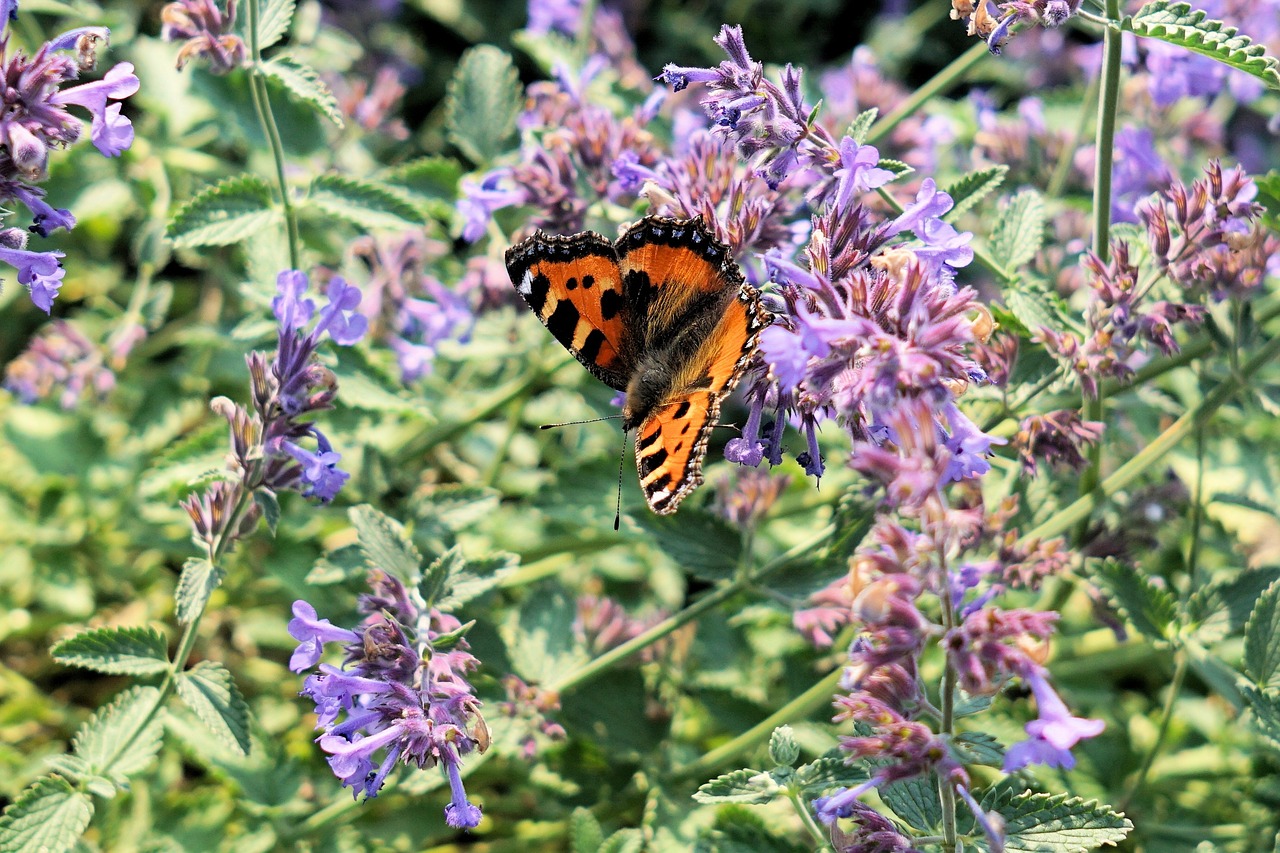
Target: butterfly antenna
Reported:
[(572, 423), (622, 458)]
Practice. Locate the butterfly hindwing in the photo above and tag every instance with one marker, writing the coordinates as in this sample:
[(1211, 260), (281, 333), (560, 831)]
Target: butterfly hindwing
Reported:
[(672, 442), (574, 285)]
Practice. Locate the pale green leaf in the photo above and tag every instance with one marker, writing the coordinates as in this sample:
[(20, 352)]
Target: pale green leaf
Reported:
[(915, 800), (122, 737), (1150, 608), (978, 748), (1262, 640), (484, 98), (224, 214), (1178, 23), (861, 125), (48, 816), (385, 544), (116, 651), (273, 21), (973, 187), (365, 204), (304, 83), (1045, 823), (740, 786), (624, 841), (438, 577), (209, 690), (585, 834), (829, 771), (1222, 607), (1020, 230), (198, 581), (481, 575)]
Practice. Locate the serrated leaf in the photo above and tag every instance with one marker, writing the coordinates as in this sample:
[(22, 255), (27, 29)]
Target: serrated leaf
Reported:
[(1151, 609), (1044, 823), (915, 800), (116, 651), (448, 509), (861, 125), (223, 214), (199, 579), (1031, 312), (978, 748), (273, 21), (365, 204), (585, 834), (338, 565), (304, 83), (1262, 640), (209, 690), (1222, 608), (740, 786), (49, 815), (429, 177), (1178, 23), (385, 544), (449, 639), (539, 637), (898, 167), (738, 829), (482, 574), (624, 841), (972, 188), (270, 506), (120, 739), (484, 98), (702, 544), (1266, 712), (439, 576), (1020, 230), (829, 771)]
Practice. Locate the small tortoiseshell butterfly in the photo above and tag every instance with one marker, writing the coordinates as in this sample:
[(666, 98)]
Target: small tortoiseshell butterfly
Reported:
[(662, 314)]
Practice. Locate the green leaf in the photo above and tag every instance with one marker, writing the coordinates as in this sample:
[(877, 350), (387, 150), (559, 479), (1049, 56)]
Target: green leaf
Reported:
[(340, 564), (304, 83), (49, 816), (898, 167), (448, 509), (1033, 310), (973, 187), (209, 690), (539, 637), (224, 214), (1020, 230), (481, 575), (585, 834), (741, 786), (270, 507), (861, 125), (438, 577), (447, 640), (385, 544), (1262, 640), (1178, 23), (430, 182), (915, 800), (702, 544), (829, 771), (484, 98), (199, 579), (119, 739), (1266, 711), (116, 651), (273, 21), (546, 49), (365, 204), (1058, 823), (1151, 609), (624, 841), (1222, 607), (978, 748), (738, 829)]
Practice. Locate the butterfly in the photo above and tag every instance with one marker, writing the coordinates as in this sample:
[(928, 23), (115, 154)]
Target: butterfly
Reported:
[(664, 314)]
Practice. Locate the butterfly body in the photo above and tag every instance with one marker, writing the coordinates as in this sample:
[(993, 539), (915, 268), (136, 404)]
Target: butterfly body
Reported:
[(662, 314)]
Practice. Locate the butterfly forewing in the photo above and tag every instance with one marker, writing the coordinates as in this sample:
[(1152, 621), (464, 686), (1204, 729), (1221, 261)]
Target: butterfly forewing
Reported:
[(574, 285)]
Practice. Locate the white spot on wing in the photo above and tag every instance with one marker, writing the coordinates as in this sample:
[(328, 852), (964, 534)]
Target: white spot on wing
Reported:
[(526, 283)]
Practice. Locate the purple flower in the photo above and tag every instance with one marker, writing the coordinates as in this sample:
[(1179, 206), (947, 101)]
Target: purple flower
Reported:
[(396, 699), (1052, 735), (291, 307), (111, 132), (321, 477), (560, 16), (481, 198), (206, 32), (40, 272)]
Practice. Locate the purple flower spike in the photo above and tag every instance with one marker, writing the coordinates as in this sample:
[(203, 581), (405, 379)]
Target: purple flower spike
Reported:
[(460, 813), (111, 132), (1053, 734), (321, 477), (312, 633), (40, 272), (339, 318), (292, 309)]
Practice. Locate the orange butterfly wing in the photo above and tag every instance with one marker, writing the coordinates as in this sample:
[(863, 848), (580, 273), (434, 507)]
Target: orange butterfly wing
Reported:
[(574, 285), (684, 284)]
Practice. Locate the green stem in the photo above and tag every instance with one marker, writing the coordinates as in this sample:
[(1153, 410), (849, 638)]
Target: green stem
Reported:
[(262, 106), (946, 727), (943, 81), (797, 709), (1108, 107), (807, 819), (726, 591), (1083, 507), (1166, 716)]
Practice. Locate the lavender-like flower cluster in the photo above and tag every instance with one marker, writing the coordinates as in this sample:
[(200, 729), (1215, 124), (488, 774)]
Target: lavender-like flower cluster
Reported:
[(34, 119), (400, 696), (267, 443)]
